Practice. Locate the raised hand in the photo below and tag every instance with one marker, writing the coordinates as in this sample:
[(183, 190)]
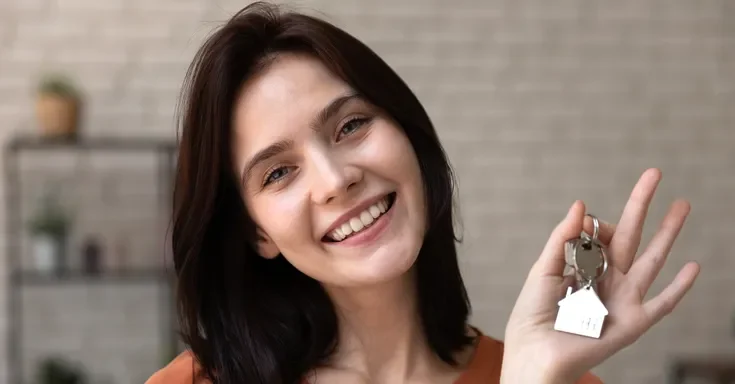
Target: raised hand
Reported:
[(535, 352)]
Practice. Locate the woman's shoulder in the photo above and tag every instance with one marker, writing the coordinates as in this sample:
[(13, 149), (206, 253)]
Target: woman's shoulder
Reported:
[(181, 370), (485, 366)]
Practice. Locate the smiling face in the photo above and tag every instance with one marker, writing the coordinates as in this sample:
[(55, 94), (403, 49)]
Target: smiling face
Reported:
[(332, 182)]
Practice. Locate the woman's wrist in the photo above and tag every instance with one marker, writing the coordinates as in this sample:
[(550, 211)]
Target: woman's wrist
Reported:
[(526, 368)]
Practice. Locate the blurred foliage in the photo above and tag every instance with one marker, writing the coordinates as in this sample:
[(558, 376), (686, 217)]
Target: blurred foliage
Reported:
[(55, 370), (50, 219), (58, 84)]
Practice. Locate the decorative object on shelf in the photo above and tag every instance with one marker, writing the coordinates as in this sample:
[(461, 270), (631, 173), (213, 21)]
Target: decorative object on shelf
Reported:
[(54, 370), (92, 256), (58, 106), (49, 229)]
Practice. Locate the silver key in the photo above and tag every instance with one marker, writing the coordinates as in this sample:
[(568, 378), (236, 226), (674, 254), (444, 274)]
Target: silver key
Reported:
[(587, 258), (582, 312)]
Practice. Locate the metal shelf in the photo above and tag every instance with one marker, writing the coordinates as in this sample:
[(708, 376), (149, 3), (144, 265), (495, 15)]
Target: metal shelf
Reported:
[(34, 142), (132, 276), (164, 150)]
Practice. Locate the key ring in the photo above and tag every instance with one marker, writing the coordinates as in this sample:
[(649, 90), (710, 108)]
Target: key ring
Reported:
[(595, 226), (603, 254), (595, 234)]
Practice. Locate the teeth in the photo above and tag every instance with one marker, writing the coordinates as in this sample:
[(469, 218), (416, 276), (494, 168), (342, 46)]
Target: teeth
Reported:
[(383, 206), (356, 224), (374, 211), (366, 218), (346, 229), (360, 222), (338, 235)]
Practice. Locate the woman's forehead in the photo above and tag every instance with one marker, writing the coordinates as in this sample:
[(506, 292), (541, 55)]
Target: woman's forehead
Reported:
[(282, 100), (290, 81)]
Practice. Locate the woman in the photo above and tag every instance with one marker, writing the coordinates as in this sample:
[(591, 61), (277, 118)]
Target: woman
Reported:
[(313, 230)]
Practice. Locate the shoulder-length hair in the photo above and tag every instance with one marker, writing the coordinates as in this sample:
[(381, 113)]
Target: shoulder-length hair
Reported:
[(252, 320)]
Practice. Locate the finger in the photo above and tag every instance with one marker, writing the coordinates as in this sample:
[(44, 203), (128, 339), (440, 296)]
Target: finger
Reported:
[(646, 268), (606, 231), (666, 301), (624, 244), (551, 261), (568, 282)]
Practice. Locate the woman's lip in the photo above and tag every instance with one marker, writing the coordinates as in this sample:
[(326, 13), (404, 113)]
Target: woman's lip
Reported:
[(374, 231), (345, 218)]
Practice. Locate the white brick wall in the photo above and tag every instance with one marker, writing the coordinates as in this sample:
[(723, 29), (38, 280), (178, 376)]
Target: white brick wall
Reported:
[(538, 102), (114, 329)]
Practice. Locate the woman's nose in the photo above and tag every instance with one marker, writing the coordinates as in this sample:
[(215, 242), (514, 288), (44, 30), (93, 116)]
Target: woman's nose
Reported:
[(333, 179)]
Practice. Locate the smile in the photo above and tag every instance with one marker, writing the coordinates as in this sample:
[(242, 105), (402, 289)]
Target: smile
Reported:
[(362, 221)]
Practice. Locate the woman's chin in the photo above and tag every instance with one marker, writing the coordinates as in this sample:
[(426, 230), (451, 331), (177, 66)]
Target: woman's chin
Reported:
[(381, 267)]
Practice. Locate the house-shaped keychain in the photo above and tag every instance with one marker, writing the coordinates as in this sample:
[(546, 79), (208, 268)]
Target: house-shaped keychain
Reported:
[(581, 313)]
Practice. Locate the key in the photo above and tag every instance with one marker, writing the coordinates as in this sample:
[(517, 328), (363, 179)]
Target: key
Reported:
[(581, 312), (587, 258)]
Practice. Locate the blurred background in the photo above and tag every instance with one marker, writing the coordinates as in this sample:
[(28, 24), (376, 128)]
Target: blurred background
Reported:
[(538, 103)]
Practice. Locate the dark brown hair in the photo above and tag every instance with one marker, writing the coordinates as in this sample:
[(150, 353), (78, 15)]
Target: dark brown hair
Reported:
[(248, 319)]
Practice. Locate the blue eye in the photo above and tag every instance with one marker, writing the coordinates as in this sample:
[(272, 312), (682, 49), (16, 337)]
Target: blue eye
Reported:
[(275, 175), (352, 126)]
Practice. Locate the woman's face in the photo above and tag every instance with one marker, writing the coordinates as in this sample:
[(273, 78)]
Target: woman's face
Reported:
[(331, 181)]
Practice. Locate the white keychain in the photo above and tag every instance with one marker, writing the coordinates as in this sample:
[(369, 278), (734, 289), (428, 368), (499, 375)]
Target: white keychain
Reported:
[(581, 312)]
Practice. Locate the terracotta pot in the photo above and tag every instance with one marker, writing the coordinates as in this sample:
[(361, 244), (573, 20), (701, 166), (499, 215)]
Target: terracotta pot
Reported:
[(58, 116)]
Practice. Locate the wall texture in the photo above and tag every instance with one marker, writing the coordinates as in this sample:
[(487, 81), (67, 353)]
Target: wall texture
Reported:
[(113, 329), (538, 103)]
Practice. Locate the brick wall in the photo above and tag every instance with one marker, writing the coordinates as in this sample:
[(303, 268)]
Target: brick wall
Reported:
[(113, 329), (538, 103)]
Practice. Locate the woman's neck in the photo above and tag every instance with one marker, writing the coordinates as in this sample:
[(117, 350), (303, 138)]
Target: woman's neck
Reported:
[(380, 334)]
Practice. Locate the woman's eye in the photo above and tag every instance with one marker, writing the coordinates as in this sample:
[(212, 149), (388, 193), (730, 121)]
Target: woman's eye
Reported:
[(351, 126), (275, 175)]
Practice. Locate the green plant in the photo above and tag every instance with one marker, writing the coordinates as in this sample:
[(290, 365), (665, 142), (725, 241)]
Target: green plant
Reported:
[(57, 84), (51, 219), (55, 370)]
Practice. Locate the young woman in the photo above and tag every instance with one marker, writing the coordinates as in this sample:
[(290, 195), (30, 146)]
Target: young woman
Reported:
[(313, 230)]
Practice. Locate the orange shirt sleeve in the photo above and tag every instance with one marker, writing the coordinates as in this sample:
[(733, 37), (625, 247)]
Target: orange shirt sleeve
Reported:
[(589, 378)]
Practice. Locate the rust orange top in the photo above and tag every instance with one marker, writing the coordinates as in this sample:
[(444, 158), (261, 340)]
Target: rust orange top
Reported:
[(484, 368)]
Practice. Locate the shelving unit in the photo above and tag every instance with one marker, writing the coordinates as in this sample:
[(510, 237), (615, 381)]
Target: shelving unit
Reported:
[(83, 157)]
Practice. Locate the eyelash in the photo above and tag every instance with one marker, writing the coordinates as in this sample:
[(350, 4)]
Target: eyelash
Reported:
[(361, 121), (267, 179)]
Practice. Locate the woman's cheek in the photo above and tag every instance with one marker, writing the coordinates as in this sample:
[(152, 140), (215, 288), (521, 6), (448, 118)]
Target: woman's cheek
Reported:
[(384, 146), (285, 214)]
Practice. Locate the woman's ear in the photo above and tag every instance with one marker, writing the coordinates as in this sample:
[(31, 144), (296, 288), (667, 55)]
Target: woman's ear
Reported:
[(265, 245)]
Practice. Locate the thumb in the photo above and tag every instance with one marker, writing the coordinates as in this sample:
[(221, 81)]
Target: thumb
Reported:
[(551, 262)]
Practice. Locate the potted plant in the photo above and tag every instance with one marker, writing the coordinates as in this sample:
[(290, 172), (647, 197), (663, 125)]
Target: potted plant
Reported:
[(57, 371), (49, 229), (58, 104)]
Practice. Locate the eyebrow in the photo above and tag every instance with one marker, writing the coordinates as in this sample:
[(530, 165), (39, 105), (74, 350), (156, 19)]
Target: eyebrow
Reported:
[(269, 152), (281, 146), (332, 108)]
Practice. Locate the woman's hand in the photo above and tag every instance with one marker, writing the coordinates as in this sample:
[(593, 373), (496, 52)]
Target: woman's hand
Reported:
[(533, 347)]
